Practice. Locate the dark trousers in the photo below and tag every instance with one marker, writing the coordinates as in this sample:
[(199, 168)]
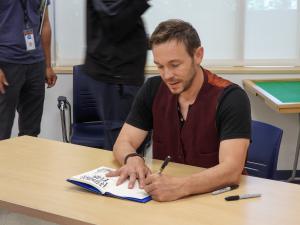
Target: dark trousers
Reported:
[(25, 93), (113, 105)]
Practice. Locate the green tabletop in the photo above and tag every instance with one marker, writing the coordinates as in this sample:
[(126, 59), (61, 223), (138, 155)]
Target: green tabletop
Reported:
[(284, 91)]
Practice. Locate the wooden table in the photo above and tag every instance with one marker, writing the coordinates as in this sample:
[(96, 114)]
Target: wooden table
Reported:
[(33, 173), (283, 96)]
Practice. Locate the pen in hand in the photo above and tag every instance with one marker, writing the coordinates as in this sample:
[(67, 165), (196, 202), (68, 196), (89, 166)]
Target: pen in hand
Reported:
[(165, 163)]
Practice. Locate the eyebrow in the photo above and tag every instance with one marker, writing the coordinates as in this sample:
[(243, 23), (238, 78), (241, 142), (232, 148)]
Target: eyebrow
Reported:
[(171, 61)]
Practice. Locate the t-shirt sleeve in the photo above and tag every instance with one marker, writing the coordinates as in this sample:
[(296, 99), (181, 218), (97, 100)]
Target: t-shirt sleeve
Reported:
[(234, 114), (140, 115)]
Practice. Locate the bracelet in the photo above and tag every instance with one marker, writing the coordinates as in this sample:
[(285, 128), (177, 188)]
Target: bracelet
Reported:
[(132, 155)]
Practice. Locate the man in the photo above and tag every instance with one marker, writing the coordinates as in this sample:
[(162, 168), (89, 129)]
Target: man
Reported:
[(197, 118), (25, 63), (115, 59)]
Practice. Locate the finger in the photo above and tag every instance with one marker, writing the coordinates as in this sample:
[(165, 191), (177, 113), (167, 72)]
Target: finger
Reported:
[(50, 85), (148, 173), (122, 178), (53, 79), (148, 180), (5, 81), (149, 188), (156, 197), (2, 90), (142, 177), (152, 178), (132, 180), (49, 82), (113, 173)]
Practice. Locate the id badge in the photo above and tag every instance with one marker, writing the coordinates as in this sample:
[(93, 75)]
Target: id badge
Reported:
[(29, 39)]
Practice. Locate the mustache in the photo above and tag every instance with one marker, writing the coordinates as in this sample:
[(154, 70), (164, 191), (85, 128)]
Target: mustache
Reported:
[(172, 80)]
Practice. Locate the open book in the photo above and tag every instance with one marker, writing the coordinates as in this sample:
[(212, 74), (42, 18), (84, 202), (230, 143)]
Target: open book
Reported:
[(96, 181)]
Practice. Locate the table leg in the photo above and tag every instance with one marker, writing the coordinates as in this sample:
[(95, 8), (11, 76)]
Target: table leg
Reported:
[(293, 176)]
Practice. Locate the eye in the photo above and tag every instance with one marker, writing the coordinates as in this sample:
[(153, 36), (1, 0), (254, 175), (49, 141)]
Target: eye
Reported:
[(174, 65), (159, 67)]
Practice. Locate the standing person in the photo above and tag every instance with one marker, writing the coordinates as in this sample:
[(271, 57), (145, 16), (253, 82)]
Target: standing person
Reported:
[(197, 118), (115, 58), (25, 63)]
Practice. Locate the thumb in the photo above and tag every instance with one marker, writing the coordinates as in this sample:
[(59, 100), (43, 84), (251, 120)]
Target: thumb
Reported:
[(4, 81)]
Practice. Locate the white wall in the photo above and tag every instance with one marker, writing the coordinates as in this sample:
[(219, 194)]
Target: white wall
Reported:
[(51, 126)]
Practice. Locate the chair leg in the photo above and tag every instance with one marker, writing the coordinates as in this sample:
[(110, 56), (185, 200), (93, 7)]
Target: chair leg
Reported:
[(63, 104), (293, 176)]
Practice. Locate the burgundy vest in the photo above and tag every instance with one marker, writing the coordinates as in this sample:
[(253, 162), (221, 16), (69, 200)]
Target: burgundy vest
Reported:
[(197, 142)]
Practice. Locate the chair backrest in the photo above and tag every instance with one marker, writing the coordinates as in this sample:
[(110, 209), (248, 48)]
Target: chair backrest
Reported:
[(263, 151), (84, 104)]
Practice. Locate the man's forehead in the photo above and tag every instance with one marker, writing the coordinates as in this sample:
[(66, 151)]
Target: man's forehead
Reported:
[(169, 52)]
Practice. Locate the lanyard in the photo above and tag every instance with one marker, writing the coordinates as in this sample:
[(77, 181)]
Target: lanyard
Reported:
[(23, 4)]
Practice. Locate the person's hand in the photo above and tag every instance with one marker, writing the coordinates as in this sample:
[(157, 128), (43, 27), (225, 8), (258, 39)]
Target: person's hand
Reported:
[(165, 188), (50, 77), (134, 169), (3, 82)]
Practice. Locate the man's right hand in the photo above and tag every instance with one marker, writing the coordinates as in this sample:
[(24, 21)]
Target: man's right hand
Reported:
[(3, 82), (134, 169)]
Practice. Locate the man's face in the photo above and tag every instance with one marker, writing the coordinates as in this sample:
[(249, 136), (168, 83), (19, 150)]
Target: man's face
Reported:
[(176, 67)]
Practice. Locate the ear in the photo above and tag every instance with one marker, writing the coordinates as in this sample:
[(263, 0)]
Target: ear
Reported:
[(198, 55)]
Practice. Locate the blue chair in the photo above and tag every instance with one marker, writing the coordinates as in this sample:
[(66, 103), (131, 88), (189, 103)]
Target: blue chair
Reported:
[(263, 151), (87, 127)]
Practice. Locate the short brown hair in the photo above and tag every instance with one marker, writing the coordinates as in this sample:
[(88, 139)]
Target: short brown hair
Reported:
[(179, 30)]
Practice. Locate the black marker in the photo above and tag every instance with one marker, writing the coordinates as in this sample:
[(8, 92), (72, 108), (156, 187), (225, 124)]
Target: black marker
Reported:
[(238, 197), (165, 163)]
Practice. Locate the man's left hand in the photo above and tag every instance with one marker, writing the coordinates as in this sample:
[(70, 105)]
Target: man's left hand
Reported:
[(165, 188), (50, 77)]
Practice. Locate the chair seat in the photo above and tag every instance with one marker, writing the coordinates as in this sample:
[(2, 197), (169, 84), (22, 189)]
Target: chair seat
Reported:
[(88, 134)]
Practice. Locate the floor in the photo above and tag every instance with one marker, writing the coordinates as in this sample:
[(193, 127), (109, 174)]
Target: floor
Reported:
[(11, 218)]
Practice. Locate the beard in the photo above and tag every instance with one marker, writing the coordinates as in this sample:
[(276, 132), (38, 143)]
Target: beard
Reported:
[(178, 86), (189, 82)]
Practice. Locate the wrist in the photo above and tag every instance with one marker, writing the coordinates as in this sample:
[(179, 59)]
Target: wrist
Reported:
[(130, 155), (185, 187)]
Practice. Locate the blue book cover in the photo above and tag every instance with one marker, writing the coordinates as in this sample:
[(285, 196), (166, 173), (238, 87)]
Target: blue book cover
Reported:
[(96, 181)]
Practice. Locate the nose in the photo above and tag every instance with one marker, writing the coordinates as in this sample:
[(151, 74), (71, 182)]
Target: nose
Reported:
[(167, 74)]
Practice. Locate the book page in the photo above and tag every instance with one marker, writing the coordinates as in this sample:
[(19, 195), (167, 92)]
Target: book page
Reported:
[(122, 190), (98, 179)]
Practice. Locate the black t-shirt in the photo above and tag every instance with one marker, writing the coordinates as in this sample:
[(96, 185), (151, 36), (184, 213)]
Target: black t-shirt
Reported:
[(233, 115)]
